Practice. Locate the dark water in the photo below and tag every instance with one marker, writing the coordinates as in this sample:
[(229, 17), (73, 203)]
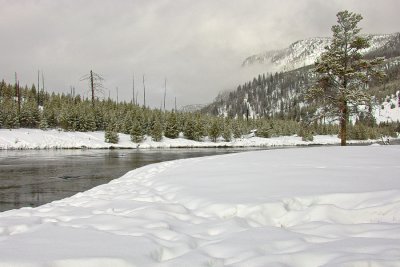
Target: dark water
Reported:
[(35, 177)]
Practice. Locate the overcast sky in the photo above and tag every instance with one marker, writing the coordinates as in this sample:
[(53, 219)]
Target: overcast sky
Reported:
[(198, 45)]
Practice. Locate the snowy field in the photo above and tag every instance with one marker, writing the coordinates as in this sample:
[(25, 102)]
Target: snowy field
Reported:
[(50, 139), (321, 206)]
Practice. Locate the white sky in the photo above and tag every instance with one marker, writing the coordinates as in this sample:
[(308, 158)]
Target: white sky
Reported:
[(198, 45)]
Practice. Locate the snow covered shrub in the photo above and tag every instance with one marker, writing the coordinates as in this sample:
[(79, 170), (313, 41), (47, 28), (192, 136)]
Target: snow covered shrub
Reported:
[(111, 136), (358, 132), (264, 131), (305, 133)]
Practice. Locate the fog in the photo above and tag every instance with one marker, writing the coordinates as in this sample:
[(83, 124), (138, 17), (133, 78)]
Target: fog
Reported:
[(198, 46)]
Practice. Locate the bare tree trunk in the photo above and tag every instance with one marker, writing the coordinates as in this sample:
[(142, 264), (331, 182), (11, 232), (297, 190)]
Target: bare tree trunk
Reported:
[(117, 95), (38, 88), (165, 91), (175, 105), (343, 124), (92, 86), (17, 92), (133, 89), (144, 94)]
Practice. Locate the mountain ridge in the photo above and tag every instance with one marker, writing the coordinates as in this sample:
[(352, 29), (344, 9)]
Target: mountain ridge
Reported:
[(306, 52)]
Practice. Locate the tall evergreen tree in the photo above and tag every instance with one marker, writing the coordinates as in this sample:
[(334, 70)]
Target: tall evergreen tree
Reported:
[(214, 131), (171, 127), (136, 132), (343, 73), (156, 129)]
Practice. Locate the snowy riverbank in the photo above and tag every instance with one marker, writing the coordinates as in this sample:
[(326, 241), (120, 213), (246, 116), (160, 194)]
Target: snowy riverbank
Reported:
[(325, 206), (54, 139)]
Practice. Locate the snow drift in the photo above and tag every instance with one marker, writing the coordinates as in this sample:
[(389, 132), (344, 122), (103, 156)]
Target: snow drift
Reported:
[(328, 206)]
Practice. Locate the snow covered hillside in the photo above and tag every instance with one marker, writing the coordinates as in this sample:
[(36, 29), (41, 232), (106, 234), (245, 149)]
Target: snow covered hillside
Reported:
[(55, 139), (305, 207), (305, 52)]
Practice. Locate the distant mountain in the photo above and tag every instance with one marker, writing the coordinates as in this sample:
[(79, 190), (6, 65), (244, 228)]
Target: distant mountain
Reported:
[(281, 94), (305, 52)]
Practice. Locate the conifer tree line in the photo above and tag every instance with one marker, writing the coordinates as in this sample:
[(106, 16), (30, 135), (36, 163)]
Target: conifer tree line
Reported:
[(74, 113)]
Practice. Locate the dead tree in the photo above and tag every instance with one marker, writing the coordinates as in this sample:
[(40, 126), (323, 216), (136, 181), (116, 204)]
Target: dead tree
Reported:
[(144, 94), (95, 83), (133, 89), (17, 92), (165, 91)]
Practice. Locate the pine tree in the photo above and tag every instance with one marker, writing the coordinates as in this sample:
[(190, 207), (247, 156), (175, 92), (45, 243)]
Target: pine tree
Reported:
[(215, 130), (343, 73), (156, 130), (136, 132), (237, 129), (227, 131), (43, 125), (111, 136), (171, 128)]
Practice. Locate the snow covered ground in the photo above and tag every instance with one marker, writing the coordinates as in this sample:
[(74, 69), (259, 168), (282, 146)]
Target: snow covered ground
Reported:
[(321, 206), (38, 139)]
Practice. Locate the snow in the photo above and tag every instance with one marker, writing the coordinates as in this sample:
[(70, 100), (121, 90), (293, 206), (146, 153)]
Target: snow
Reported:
[(320, 206), (55, 139), (389, 111), (305, 52)]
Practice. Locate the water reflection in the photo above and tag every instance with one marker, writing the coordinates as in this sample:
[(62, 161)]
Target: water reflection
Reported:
[(33, 178)]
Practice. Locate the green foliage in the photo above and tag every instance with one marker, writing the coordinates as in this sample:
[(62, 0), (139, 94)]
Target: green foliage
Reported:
[(136, 132), (343, 73), (306, 133), (43, 125), (29, 116), (214, 131), (264, 130), (111, 136), (9, 113), (156, 130), (78, 114), (237, 129), (172, 127), (227, 131), (190, 131)]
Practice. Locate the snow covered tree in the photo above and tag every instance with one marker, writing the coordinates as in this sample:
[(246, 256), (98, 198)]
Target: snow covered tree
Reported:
[(43, 125), (136, 132), (214, 131), (237, 129), (343, 73), (156, 129), (171, 127), (111, 136), (227, 131), (194, 127)]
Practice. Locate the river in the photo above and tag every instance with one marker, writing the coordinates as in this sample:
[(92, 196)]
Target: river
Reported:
[(29, 178)]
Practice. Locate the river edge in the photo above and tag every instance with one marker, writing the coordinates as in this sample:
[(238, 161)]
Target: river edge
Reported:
[(35, 139)]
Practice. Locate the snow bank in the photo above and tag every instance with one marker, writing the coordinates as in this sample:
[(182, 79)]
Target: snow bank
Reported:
[(325, 206), (38, 139)]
